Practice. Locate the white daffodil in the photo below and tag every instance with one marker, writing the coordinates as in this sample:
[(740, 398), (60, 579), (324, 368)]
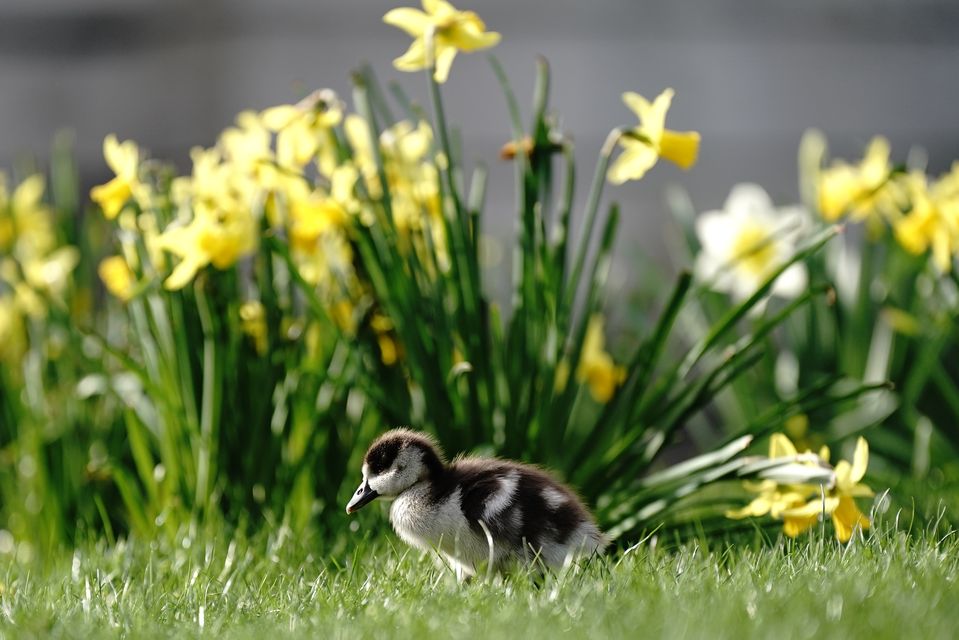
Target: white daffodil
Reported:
[(746, 242)]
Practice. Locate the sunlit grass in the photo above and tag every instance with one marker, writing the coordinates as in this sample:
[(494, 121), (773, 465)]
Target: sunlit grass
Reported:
[(894, 583)]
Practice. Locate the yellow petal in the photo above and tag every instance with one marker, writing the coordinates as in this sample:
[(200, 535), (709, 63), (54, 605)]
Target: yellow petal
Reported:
[(860, 460), (632, 164), (637, 104), (28, 193), (846, 517), (795, 525), (814, 507), (117, 277), (444, 60), (758, 507), (184, 273), (843, 475), (412, 21), (681, 148), (279, 117), (652, 116), (875, 163), (121, 157), (414, 59), (781, 447), (433, 7), (111, 196)]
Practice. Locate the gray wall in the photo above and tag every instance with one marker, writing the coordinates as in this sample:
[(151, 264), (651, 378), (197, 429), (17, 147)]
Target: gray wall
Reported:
[(751, 76)]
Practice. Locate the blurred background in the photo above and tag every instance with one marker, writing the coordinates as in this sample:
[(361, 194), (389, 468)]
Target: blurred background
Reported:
[(750, 76)]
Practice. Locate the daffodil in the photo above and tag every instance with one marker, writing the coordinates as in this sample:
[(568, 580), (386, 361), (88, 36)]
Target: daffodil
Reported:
[(117, 277), (784, 495), (439, 32), (389, 349), (747, 241), (839, 501), (253, 324), (412, 181), (863, 192), (304, 131), (932, 222), (774, 497), (596, 367), (220, 241), (35, 266), (124, 159), (651, 140), (12, 338), (217, 224), (26, 225)]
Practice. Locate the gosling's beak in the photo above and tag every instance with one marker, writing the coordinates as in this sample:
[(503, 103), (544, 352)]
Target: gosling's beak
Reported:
[(363, 496)]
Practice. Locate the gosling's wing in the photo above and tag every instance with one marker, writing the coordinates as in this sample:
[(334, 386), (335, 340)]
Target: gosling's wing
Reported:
[(520, 505)]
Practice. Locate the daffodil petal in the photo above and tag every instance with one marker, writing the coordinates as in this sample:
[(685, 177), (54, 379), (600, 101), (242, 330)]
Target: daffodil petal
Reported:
[(414, 59), (860, 460), (781, 447), (279, 117), (412, 21), (632, 164), (637, 104), (793, 526), (111, 196), (444, 61), (184, 272), (121, 157), (757, 508), (28, 193), (846, 517), (812, 508), (792, 282)]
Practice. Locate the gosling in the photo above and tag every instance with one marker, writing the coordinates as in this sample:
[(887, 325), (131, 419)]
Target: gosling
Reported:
[(475, 510)]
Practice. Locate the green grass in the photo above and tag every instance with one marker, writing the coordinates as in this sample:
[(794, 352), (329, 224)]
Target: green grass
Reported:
[(891, 584)]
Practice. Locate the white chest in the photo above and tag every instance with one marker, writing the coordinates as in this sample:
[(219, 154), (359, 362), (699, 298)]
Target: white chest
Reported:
[(429, 524)]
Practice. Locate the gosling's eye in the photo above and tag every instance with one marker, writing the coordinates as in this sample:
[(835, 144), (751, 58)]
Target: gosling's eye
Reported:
[(400, 468)]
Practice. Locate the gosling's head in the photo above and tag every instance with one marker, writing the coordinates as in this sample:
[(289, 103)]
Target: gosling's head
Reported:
[(396, 461)]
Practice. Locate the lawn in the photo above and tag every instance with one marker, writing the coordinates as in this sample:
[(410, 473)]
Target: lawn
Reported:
[(193, 363), (892, 583)]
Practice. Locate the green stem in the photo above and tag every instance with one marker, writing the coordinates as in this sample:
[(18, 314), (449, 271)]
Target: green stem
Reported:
[(592, 207), (210, 401)]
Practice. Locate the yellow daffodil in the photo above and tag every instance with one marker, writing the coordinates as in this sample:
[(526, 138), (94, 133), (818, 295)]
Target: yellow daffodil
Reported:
[(26, 223), (50, 274), (389, 349), (253, 324), (439, 32), (412, 180), (124, 159), (12, 335), (596, 367), (800, 504), (33, 264), (747, 241), (862, 192), (117, 277), (651, 140), (220, 241), (932, 222), (774, 498), (247, 145), (305, 130)]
